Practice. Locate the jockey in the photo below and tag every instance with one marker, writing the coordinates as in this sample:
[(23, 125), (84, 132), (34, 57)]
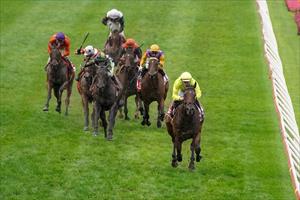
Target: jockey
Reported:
[(63, 44), (180, 83), (154, 51), (131, 43), (95, 56), (114, 16)]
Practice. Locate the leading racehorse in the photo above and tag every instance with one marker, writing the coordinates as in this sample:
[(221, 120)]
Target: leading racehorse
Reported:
[(186, 124), (58, 78), (153, 88)]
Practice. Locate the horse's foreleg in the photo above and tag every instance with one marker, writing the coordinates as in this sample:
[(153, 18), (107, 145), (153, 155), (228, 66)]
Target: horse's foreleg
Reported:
[(49, 87), (85, 105), (161, 113), (112, 117), (192, 148), (104, 122), (174, 159), (146, 115), (178, 148), (197, 146), (126, 109), (97, 111), (58, 98), (136, 114)]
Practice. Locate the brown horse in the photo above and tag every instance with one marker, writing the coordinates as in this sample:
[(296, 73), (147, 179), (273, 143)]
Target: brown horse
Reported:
[(186, 124), (127, 74), (153, 89), (59, 79), (106, 98), (83, 87), (113, 46)]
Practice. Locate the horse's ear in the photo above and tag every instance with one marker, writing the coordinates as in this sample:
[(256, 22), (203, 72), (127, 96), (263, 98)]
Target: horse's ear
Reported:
[(195, 85)]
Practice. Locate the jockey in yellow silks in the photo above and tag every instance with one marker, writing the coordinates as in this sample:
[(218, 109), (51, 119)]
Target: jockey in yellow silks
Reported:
[(155, 52), (180, 83)]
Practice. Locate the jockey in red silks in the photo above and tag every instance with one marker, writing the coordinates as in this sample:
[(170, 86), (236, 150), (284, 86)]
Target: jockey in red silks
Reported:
[(131, 43), (63, 44)]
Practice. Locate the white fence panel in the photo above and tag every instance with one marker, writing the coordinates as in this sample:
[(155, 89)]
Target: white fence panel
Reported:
[(282, 100)]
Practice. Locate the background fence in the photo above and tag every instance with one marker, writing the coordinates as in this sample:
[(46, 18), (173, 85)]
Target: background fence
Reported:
[(282, 100)]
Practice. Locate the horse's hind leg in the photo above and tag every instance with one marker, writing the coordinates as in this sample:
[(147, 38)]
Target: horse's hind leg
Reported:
[(49, 87), (161, 114), (192, 147), (67, 101), (85, 105)]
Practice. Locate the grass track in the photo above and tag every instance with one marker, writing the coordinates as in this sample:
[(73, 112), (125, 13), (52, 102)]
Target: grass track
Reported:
[(47, 156)]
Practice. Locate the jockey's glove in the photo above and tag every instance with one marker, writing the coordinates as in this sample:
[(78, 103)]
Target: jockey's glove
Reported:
[(140, 68)]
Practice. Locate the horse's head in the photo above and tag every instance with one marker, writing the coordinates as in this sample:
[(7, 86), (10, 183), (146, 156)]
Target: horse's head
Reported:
[(129, 64), (114, 26), (153, 66), (55, 56), (100, 79), (189, 100)]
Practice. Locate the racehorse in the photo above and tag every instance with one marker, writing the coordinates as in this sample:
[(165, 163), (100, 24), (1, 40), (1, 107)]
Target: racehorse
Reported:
[(186, 124), (58, 78), (127, 74), (104, 93), (83, 86), (113, 45), (153, 88)]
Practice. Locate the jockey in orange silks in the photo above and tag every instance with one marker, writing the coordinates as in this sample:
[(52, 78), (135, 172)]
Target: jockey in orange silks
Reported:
[(62, 42)]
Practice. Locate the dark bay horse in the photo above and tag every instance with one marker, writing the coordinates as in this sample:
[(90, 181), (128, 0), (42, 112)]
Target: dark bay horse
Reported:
[(113, 46), (153, 89), (186, 124), (127, 74), (83, 87), (58, 79), (106, 98)]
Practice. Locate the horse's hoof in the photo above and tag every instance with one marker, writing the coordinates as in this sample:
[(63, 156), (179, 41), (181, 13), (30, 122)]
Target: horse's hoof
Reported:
[(86, 128), (179, 158), (174, 164), (58, 110), (158, 124), (198, 158), (136, 116), (127, 118), (109, 138), (148, 123), (143, 123), (45, 109), (191, 166), (95, 133)]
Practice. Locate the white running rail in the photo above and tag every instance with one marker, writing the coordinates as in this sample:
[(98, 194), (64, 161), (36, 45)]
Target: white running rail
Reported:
[(282, 100)]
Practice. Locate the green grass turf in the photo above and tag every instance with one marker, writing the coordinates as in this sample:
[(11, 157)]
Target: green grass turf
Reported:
[(47, 155), (288, 43)]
